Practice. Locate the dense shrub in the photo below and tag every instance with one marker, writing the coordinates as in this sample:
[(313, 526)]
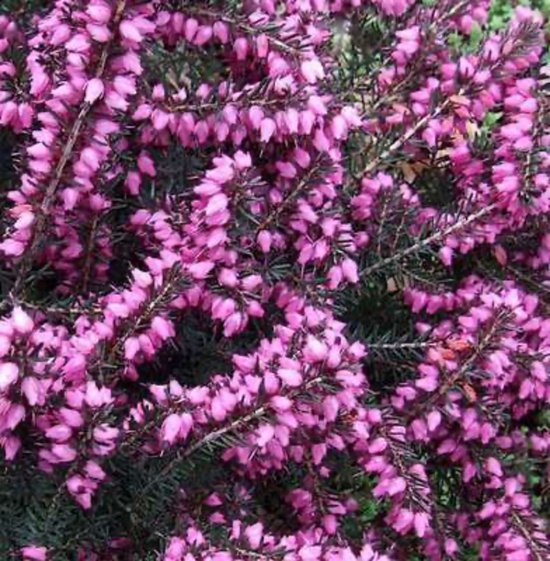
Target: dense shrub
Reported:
[(275, 280)]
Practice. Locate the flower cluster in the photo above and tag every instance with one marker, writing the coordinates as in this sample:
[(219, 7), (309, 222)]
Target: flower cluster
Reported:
[(275, 281)]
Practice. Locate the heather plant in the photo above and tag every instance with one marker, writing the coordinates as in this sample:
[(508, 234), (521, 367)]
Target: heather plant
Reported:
[(275, 280)]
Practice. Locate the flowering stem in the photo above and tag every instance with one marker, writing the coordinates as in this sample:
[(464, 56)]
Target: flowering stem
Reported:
[(281, 45), (49, 196), (402, 140), (434, 238), (159, 300), (214, 436), (533, 546), (462, 371), (302, 184)]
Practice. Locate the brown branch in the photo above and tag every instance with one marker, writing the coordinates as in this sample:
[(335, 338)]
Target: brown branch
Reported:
[(201, 107), (535, 548), (88, 260)]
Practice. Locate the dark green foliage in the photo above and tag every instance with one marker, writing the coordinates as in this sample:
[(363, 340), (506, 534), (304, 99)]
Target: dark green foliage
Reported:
[(200, 350), (41, 509)]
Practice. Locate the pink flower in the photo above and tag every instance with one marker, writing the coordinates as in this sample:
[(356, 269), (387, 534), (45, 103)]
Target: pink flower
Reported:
[(30, 387), (427, 383), (162, 327), (493, 466), (265, 434), (267, 129), (421, 523), (240, 46), (130, 31), (312, 71), (264, 241), (9, 373), (94, 90), (22, 322), (310, 553), (315, 350), (99, 11), (218, 411), (434, 420), (233, 324), (131, 348), (349, 270), (397, 485), (290, 377), (254, 535), (34, 553), (59, 433), (12, 247), (200, 270), (171, 428)]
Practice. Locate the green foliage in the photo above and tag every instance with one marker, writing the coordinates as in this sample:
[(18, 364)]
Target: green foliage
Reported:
[(34, 507), (22, 8), (501, 10)]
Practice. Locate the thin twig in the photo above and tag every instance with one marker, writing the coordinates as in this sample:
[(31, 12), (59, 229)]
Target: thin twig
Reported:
[(302, 184), (435, 237), (398, 346), (89, 249), (402, 140), (533, 545)]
